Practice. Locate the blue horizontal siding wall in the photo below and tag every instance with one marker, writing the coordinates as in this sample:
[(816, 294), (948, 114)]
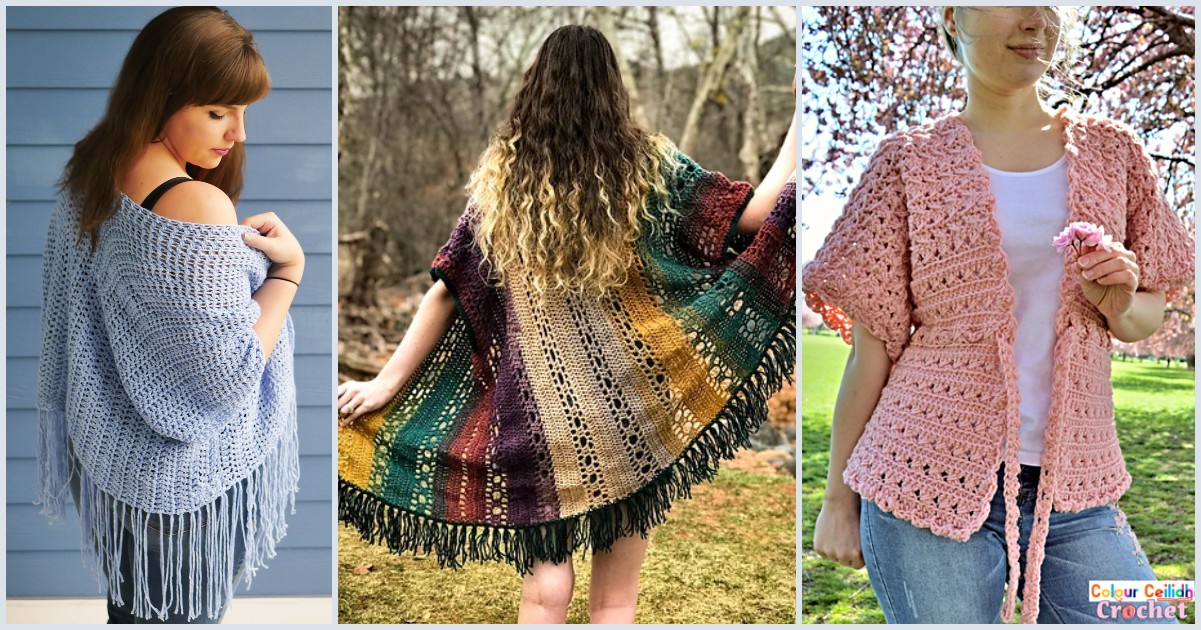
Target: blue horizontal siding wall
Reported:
[(61, 62)]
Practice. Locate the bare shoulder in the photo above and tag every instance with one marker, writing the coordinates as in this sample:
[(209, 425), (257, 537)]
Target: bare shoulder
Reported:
[(197, 202)]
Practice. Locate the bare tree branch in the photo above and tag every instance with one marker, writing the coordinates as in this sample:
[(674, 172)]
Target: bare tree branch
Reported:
[(1173, 158)]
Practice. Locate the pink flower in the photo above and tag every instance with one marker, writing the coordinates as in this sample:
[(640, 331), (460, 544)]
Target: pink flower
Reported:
[(1062, 241), (1080, 234)]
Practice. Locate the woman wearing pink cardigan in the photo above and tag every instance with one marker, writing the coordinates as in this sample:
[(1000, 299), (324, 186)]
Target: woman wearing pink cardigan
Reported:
[(974, 452)]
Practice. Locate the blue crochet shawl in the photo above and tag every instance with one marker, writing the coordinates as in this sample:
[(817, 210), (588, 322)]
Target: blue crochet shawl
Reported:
[(155, 392)]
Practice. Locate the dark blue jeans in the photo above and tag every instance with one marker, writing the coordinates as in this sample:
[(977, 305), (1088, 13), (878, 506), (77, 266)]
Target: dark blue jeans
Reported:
[(919, 577), (183, 529), (188, 528)]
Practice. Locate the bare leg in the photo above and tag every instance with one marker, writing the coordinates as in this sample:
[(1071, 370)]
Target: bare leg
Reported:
[(613, 596), (546, 593)]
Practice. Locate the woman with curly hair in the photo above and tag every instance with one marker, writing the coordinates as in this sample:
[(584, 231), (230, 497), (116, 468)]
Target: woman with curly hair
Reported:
[(607, 323)]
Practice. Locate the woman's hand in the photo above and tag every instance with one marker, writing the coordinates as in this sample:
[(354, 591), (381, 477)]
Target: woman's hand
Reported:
[(1109, 279), (277, 242), (430, 323), (356, 398), (836, 534)]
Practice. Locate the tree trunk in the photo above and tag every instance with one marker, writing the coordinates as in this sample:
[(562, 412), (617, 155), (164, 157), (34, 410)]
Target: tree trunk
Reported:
[(607, 26), (345, 14), (712, 74), (477, 72), (367, 253), (753, 130)]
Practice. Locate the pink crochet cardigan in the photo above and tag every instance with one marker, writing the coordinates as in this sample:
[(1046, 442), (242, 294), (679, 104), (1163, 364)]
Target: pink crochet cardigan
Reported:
[(916, 257)]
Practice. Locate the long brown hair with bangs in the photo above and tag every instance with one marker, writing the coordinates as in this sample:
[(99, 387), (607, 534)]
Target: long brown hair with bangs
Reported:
[(563, 187), (185, 56)]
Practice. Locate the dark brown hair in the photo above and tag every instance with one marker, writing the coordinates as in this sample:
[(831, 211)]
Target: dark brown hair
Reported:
[(564, 183), (185, 56)]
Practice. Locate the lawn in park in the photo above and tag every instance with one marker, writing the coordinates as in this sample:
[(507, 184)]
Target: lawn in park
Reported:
[(1154, 406), (728, 555)]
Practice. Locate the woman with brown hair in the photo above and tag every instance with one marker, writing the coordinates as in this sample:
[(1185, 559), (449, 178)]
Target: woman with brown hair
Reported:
[(606, 324), (166, 399)]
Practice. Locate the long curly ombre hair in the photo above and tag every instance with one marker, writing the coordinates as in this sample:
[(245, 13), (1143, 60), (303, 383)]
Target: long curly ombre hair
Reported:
[(564, 185)]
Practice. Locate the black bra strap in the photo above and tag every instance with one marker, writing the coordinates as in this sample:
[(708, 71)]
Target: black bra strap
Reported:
[(154, 195)]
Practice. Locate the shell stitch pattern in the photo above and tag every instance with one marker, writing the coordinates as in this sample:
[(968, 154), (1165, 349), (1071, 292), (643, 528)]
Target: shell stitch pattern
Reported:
[(916, 257)]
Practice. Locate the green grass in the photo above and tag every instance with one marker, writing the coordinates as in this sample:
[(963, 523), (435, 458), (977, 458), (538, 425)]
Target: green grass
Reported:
[(728, 555), (1154, 406)]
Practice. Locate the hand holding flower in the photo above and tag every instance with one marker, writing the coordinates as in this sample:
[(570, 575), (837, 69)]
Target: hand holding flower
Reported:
[(1109, 279), (1108, 271), (1082, 234)]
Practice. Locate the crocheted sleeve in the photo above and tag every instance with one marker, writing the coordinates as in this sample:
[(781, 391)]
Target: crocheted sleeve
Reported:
[(710, 206), (52, 364), (460, 265), (179, 318), (861, 272), (1155, 234)]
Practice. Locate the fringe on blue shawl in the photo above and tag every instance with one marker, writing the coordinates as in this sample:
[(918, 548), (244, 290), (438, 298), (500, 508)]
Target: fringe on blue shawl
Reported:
[(253, 511), (192, 522)]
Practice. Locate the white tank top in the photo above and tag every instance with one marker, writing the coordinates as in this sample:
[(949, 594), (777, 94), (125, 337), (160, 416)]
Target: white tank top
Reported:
[(1032, 208)]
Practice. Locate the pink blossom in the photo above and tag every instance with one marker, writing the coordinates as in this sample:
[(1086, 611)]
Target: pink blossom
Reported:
[(1079, 234), (1062, 241)]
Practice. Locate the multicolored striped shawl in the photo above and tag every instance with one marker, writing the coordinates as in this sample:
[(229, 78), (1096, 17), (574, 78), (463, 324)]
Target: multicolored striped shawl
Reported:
[(539, 427)]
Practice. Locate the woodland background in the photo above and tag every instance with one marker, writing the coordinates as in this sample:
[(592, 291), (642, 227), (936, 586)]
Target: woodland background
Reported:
[(869, 71), (422, 89)]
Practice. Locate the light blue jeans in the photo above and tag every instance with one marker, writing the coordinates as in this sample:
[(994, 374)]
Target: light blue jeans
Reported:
[(919, 577)]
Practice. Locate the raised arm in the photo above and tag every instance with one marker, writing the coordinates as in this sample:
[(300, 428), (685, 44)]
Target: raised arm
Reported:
[(769, 189), (283, 279)]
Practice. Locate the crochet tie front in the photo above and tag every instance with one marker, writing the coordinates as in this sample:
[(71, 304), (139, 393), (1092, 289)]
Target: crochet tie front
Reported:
[(1035, 550), (1012, 471)]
